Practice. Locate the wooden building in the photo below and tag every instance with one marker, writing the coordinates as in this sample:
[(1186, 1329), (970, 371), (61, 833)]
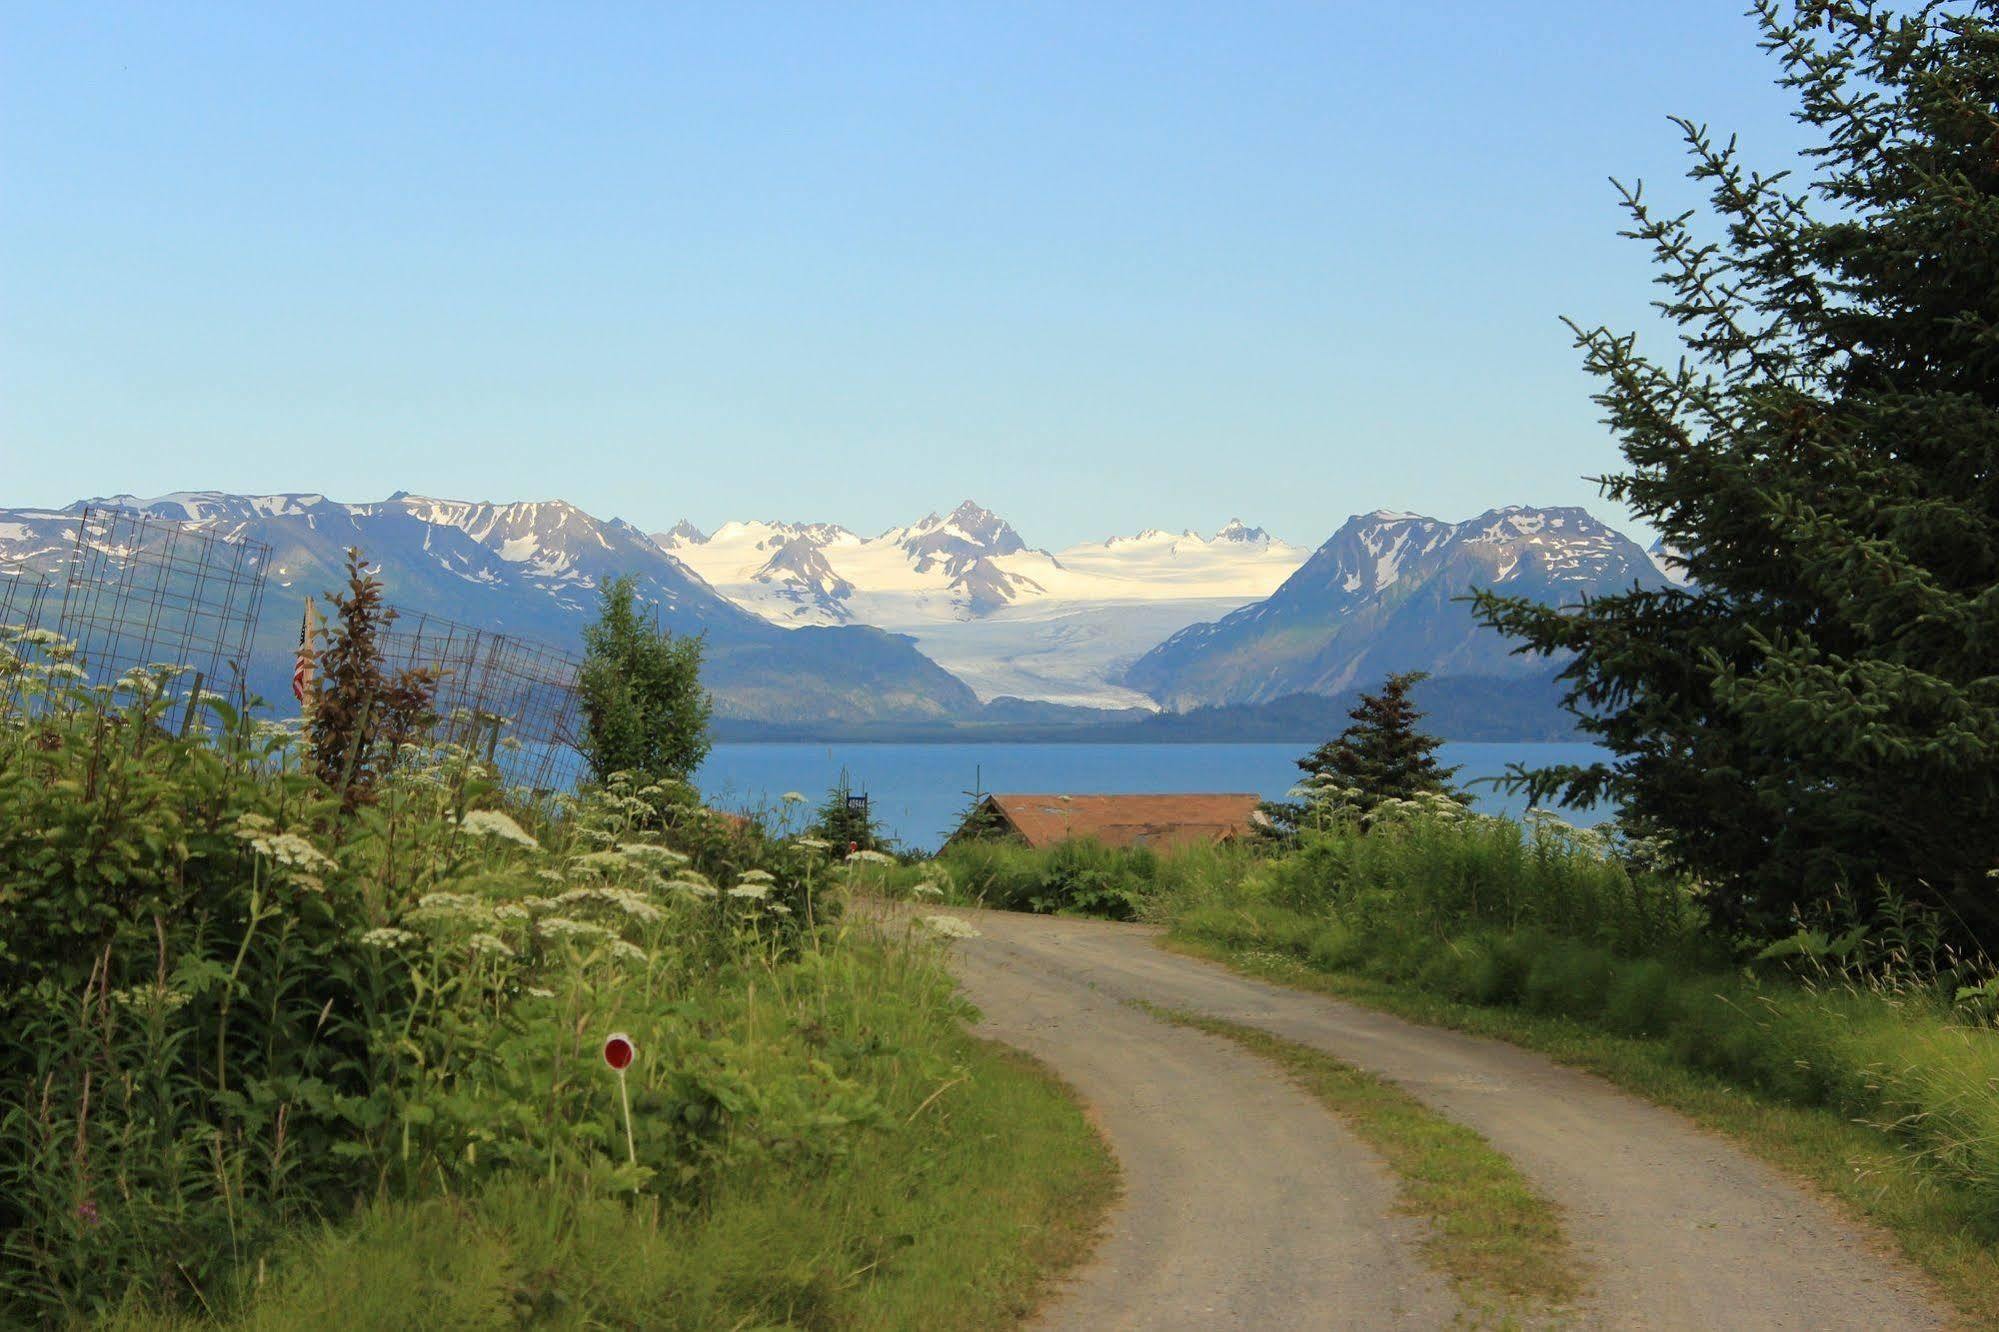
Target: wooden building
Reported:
[(1157, 821)]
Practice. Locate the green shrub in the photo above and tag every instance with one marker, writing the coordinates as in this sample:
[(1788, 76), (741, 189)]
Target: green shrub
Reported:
[(234, 1006), (1641, 999)]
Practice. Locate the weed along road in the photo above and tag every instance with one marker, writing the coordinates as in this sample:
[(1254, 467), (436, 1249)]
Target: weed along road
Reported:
[(1249, 1204)]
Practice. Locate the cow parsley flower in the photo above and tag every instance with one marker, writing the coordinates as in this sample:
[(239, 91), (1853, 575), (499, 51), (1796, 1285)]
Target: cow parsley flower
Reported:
[(869, 858), (750, 892), (564, 927), (645, 853), (288, 849), (492, 823), (950, 927)]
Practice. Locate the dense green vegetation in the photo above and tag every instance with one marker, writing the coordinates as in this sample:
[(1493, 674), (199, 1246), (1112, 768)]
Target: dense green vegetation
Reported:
[(265, 1039), (1816, 712)]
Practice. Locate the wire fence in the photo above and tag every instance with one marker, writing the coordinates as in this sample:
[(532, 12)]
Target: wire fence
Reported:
[(135, 591), (25, 595), (512, 701), (142, 591)]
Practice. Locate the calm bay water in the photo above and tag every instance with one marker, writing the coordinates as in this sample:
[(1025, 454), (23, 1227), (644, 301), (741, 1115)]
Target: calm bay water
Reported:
[(920, 790)]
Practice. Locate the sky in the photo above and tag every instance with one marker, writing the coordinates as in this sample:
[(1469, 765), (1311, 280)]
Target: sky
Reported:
[(1101, 267)]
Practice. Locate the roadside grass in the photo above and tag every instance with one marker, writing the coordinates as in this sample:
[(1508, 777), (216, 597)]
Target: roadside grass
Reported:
[(280, 1058), (959, 1221), (1500, 1243), (1942, 1225)]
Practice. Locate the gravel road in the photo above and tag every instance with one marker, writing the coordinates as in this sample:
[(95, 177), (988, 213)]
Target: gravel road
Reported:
[(1249, 1206)]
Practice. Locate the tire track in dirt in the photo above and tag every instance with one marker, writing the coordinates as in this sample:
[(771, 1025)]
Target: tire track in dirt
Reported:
[(1245, 1203), (1681, 1229)]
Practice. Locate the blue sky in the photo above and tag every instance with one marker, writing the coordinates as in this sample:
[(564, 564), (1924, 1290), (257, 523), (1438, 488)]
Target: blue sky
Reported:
[(1100, 266)]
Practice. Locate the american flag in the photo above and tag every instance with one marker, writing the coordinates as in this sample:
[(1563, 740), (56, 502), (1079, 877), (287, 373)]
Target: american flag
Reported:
[(308, 634)]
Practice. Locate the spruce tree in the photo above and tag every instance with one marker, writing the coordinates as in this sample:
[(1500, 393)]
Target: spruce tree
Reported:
[(643, 705), (847, 824), (1817, 712), (1383, 755)]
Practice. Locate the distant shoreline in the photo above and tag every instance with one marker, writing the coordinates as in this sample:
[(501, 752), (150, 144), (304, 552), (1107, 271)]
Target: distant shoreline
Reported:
[(1474, 710)]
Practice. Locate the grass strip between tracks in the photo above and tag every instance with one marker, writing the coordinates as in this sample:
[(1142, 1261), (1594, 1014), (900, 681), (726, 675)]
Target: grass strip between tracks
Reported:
[(1938, 1224), (1500, 1243)]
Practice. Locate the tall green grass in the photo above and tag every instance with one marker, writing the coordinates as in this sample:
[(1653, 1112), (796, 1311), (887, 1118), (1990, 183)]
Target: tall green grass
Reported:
[(1550, 920)]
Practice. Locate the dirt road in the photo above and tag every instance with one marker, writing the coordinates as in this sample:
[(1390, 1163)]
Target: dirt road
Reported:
[(1247, 1205)]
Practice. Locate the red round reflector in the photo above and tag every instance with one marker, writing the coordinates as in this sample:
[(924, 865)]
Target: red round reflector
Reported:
[(618, 1050)]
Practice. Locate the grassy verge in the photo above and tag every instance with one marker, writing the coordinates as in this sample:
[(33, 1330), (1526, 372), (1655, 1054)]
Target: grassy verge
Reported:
[(1942, 1225), (957, 1220), (287, 1052), (1499, 1242)]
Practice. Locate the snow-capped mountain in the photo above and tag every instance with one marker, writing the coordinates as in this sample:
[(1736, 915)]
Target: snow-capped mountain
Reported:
[(1384, 594), (1668, 562), (1007, 618), (532, 569)]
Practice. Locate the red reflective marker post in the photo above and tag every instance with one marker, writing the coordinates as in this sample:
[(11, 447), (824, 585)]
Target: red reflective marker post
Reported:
[(619, 1053)]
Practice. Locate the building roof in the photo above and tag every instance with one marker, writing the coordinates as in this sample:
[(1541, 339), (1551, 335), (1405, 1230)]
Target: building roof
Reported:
[(1128, 820)]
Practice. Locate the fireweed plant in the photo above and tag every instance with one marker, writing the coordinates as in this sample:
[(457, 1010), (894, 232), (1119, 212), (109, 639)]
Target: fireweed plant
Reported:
[(234, 1008)]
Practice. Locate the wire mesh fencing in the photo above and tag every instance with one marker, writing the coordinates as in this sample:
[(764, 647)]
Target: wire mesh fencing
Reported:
[(139, 591), (26, 595), (513, 701)]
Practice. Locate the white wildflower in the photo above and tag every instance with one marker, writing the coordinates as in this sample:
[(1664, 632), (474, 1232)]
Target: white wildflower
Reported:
[(487, 943), (510, 911), (812, 844), (286, 848), (927, 890), (564, 927), (951, 927), (756, 876), (492, 823), (869, 858), (692, 888), (388, 936), (448, 903), (794, 797), (150, 998), (537, 992), (645, 853), (630, 952), (621, 899), (750, 892)]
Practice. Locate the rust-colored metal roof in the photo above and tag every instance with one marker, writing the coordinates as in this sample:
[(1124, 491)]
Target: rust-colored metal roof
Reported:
[(1129, 820)]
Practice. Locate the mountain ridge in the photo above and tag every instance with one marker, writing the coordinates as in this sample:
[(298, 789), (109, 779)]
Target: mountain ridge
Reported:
[(1385, 593), (531, 568)]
